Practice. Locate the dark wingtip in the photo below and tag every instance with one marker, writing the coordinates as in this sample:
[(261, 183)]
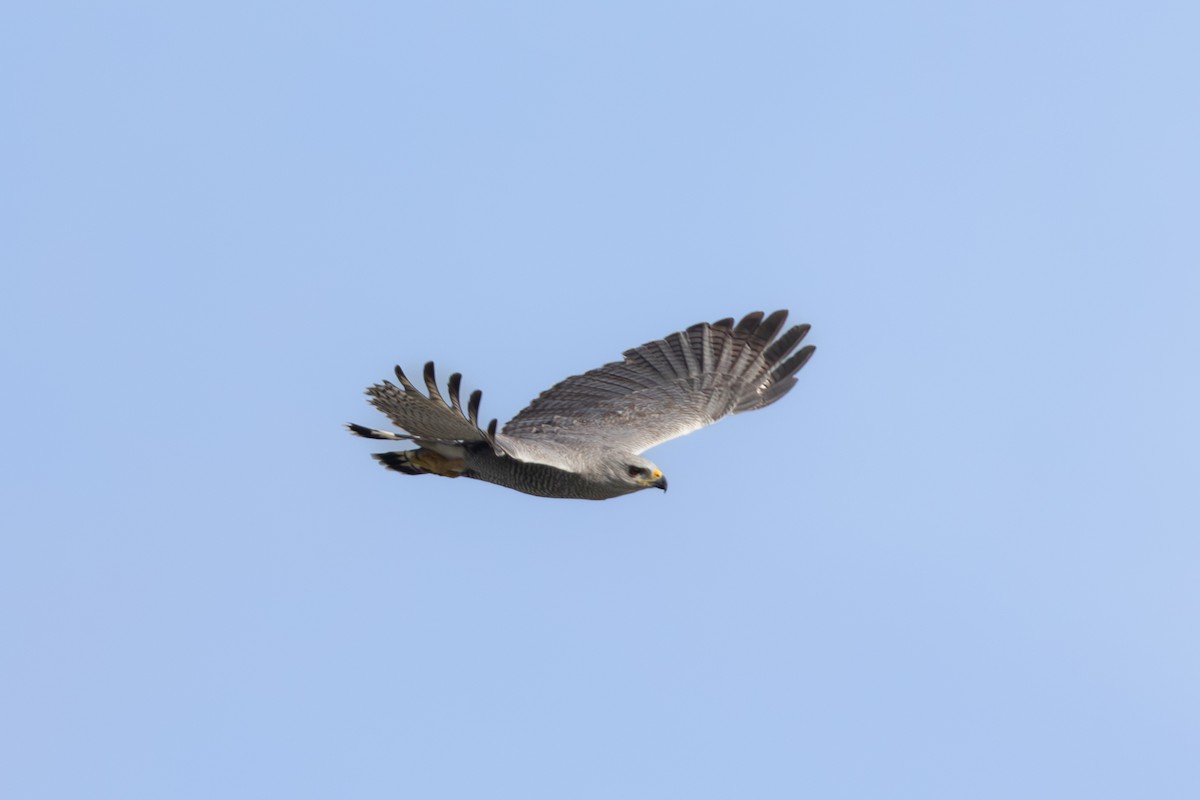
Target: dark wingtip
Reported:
[(404, 381), (749, 323), (431, 384), (793, 365), (770, 326), (473, 407), (786, 343)]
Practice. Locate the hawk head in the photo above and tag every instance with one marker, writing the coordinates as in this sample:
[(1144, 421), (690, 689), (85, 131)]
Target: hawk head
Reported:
[(636, 473)]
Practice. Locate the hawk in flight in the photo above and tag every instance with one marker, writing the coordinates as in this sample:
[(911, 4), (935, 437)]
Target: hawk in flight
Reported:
[(583, 437)]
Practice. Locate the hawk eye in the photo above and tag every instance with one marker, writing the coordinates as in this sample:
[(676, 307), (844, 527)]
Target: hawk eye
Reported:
[(635, 471)]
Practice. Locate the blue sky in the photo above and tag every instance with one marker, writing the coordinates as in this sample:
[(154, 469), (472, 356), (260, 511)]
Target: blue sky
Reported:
[(959, 560)]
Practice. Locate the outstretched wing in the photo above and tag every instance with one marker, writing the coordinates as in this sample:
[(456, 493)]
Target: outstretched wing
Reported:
[(427, 419), (670, 387)]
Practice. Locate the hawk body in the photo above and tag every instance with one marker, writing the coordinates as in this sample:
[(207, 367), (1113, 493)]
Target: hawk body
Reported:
[(582, 438)]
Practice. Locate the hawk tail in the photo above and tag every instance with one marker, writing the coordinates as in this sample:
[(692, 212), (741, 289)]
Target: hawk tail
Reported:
[(422, 461), (398, 461), (375, 433)]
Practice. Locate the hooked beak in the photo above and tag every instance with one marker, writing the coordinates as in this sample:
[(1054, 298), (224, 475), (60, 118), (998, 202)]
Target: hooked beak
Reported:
[(661, 483)]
